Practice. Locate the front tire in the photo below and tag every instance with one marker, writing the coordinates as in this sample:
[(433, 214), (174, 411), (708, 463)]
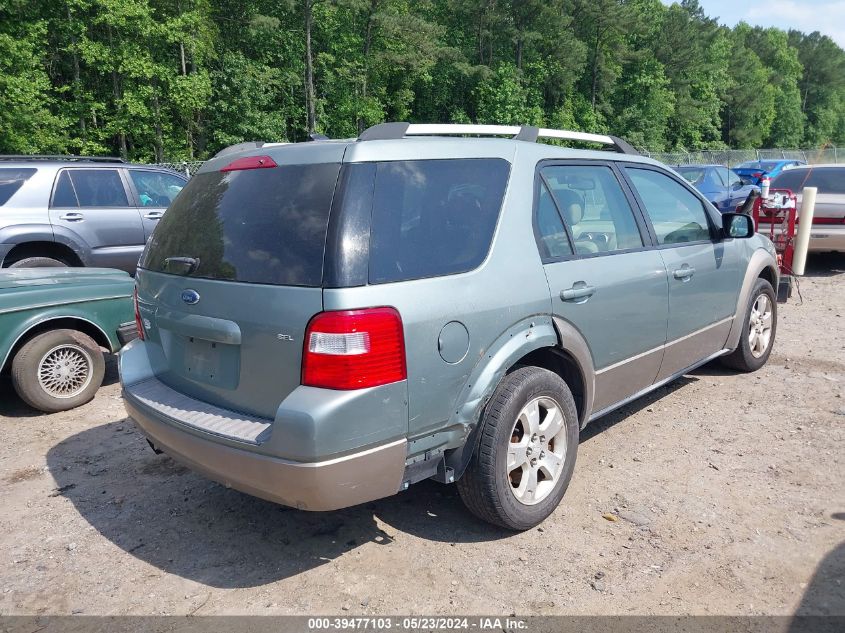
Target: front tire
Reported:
[(759, 329), (58, 370), (526, 453)]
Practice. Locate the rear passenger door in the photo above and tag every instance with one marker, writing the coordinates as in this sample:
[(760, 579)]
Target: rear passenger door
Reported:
[(153, 192), (703, 269), (605, 278), (93, 205)]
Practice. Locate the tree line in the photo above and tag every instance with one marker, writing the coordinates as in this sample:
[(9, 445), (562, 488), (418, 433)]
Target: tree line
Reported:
[(156, 80)]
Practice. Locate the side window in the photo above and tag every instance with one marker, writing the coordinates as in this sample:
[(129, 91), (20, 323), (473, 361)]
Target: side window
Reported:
[(720, 177), (155, 188), (554, 242), (12, 179), (64, 196), (98, 187), (676, 214), (827, 180), (594, 207), (792, 179), (733, 179), (434, 217)]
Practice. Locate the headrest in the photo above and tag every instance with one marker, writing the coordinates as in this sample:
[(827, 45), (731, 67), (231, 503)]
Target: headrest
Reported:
[(572, 206)]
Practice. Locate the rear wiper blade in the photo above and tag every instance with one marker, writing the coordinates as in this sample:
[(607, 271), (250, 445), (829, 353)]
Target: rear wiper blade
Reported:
[(188, 265)]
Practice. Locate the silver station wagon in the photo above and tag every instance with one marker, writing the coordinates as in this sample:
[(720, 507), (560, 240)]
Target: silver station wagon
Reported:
[(326, 323)]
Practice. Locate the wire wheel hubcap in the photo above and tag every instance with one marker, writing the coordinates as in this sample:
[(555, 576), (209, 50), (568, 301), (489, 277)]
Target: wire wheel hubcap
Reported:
[(65, 371), (536, 451), (760, 326)]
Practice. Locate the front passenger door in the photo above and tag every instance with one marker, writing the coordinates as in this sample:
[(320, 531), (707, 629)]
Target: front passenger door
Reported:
[(154, 191), (703, 269)]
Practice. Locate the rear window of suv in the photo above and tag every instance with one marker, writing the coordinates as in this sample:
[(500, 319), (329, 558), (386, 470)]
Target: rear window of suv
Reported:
[(12, 179), (263, 226), (434, 217)]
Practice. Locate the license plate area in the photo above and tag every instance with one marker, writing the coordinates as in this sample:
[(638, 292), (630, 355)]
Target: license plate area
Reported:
[(203, 361)]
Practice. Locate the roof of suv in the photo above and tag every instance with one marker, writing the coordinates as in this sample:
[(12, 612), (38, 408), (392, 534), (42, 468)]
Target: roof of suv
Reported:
[(403, 141), (72, 161)]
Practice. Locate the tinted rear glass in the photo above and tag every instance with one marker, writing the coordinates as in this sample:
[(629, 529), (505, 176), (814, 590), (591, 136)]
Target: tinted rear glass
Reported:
[(434, 217), (261, 226), (790, 179), (11, 179)]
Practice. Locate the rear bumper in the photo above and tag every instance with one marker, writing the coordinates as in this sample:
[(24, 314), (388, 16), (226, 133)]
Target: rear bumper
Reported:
[(127, 332), (823, 237), (317, 454), (325, 485)]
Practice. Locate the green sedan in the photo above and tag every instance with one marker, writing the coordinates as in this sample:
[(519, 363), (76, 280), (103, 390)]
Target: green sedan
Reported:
[(55, 324)]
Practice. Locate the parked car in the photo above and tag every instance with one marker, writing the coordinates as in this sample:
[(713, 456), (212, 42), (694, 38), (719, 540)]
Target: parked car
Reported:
[(828, 232), (327, 323), (77, 211), (719, 185), (753, 171), (53, 325)]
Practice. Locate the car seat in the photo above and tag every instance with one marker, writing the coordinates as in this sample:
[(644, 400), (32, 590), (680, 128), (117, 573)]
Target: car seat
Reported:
[(572, 207)]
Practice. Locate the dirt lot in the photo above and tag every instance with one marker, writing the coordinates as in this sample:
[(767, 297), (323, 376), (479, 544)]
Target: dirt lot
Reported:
[(729, 494)]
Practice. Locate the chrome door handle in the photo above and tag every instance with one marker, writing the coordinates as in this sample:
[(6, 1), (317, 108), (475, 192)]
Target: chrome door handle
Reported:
[(684, 273), (72, 217), (579, 291), (154, 215)]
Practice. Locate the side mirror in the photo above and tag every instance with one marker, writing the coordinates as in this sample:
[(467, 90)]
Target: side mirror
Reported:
[(737, 225)]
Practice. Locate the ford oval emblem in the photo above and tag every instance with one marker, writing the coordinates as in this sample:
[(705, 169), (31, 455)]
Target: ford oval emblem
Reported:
[(190, 297)]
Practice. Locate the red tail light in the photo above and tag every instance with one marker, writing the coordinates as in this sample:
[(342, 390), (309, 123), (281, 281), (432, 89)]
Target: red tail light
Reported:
[(757, 174), (250, 162), (354, 349), (139, 325)]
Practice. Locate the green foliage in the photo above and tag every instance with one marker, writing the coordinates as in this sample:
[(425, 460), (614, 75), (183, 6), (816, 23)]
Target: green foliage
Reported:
[(180, 79)]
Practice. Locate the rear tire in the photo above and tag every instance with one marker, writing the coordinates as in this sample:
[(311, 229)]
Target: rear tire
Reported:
[(58, 370), (526, 453), (758, 330), (38, 262)]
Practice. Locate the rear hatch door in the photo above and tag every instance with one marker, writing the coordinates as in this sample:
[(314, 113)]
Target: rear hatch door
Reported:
[(233, 274)]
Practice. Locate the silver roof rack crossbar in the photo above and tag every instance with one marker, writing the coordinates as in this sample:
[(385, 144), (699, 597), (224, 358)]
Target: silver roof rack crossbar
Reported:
[(62, 157), (388, 131)]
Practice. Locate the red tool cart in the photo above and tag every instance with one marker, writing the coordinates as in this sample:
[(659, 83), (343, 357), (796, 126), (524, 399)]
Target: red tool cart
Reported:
[(775, 217)]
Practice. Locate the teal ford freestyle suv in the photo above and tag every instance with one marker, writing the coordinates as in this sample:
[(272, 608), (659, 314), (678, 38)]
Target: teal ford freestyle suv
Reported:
[(326, 323)]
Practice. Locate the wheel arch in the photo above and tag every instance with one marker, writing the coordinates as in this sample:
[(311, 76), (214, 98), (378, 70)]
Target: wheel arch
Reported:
[(540, 341), (54, 250), (59, 322), (761, 265), (56, 240)]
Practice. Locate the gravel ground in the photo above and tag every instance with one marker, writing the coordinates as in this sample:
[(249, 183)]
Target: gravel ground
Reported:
[(719, 494)]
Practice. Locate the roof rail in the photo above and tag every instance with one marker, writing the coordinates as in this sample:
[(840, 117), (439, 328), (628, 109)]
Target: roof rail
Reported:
[(389, 131), (68, 157)]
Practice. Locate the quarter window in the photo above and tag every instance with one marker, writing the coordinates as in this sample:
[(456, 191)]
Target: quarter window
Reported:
[(12, 179), (434, 217), (594, 207), (677, 215)]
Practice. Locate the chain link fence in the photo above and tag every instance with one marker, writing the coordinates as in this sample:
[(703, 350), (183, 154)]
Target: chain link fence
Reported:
[(733, 157), (729, 158), (189, 168)]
